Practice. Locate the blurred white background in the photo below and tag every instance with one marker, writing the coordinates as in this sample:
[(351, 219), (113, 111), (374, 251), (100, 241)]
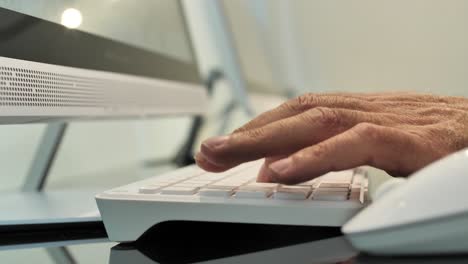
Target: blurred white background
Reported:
[(285, 47), (356, 45)]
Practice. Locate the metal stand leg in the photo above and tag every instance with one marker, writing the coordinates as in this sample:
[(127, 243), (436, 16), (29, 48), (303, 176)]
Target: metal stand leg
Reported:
[(44, 158), (37, 176), (60, 255)]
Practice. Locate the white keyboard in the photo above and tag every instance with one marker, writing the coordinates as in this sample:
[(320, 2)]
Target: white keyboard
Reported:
[(192, 194)]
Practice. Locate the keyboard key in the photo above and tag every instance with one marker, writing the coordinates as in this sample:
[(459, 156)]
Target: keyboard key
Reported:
[(341, 176), (181, 174), (193, 182), (332, 189), (150, 189), (355, 195), (179, 190), (334, 184), (330, 196), (208, 178), (256, 190), (366, 184), (197, 182), (335, 189), (220, 185), (253, 193), (217, 192), (162, 183), (240, 180), (229, 182), (359, 176), (211, 176), (287, 192), (262, 185), (363, 195), (187, 185), (309, 183)]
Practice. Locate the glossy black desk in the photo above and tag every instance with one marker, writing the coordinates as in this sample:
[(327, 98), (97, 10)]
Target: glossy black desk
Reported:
[(191, 242)]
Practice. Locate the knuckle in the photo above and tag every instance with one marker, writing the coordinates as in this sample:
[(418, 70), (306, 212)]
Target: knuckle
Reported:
[(282, 125), (319, 150), (431, 110), (255, 134), (296, 159), (369, 131), (316, 152), (327, 117), (302, 103), (430, 138), (289, 106), (460, 117), (446, 137), (441, 99), (240, 129)]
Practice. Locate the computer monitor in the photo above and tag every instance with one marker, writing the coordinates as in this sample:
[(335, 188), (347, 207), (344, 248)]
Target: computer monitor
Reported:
[(74, 59), (66, 60)]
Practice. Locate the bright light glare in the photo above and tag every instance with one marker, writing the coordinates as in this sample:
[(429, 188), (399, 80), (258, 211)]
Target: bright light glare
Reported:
[(71, 18)]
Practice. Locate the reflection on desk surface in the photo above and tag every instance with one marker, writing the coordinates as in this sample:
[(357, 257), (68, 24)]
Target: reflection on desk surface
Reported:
[(196, 242)]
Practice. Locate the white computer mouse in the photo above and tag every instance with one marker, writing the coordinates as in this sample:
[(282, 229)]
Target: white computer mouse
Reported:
[(427, 214)]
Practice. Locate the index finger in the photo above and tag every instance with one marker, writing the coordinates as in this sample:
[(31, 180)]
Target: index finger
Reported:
[(284, 136)]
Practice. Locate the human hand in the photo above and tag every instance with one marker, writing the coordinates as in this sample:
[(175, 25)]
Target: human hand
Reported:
[(316, 133)]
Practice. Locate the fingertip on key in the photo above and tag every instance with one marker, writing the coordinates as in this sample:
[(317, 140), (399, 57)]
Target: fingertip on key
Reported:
[(281, 167), (264, 174), (203, 163)]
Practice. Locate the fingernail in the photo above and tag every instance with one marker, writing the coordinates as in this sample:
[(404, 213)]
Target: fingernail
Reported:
[(215, 142), (281, 166), (264, 174), (199, 157)]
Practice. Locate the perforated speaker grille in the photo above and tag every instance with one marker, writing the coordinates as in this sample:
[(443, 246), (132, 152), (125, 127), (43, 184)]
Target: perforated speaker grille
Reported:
[(26, 87), (36, 91)]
